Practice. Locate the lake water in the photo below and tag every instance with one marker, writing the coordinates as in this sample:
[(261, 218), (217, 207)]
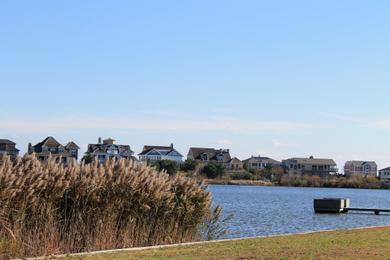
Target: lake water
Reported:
[(261, 211)]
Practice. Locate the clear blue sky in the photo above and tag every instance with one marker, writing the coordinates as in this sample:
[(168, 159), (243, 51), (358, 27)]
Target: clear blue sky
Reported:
[(276, 78)]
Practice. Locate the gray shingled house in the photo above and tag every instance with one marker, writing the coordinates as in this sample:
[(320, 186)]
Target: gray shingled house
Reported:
[(108, 150), (260, 163), (8, 148), (310, 166), (51, 147), (364, 168), (220, 156)]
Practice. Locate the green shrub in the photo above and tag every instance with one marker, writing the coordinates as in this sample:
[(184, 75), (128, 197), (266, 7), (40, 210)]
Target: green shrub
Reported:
[(189, 165), (213, 170), (168, 166), (241, 176)]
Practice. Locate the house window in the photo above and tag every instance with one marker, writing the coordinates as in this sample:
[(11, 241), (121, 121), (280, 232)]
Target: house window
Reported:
[(220, 157), (204, 157)]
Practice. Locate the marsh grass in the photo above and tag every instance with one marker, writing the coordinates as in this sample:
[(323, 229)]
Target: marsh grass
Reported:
[(47, 208)]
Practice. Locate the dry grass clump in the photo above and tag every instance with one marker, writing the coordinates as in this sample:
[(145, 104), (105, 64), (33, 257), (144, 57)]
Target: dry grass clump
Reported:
[(46, 208)]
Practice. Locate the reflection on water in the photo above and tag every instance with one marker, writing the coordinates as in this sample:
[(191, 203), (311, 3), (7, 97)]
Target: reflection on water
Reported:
[(260, 211)]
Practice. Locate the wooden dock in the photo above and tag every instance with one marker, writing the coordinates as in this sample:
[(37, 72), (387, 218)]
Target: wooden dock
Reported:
[(376, 211), (337, 205)]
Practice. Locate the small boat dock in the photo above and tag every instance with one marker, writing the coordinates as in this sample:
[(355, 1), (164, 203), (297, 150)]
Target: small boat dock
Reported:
[(341, 205)]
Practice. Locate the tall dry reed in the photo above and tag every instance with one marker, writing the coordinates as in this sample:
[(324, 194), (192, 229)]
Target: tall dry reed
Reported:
[(47, 208)]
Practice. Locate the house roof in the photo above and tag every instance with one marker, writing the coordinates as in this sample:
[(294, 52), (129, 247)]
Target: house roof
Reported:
[(361, 163), (123, 150), (10, 146), (6, 141), (197, 151), (385, 169), (164, 150), (48, 142), (72, 145), (314, 161), (211, 153), (262, 160), (235, 160)]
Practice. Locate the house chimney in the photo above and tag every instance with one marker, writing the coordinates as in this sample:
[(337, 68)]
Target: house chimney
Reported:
[(100, 140), (171, 146), (30, 150)]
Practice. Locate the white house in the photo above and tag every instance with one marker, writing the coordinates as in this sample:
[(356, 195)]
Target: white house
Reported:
[(384, 174), (152, 153)]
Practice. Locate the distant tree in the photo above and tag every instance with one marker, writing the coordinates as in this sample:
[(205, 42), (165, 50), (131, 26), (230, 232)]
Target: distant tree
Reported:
[(213, 170), (267, 173), (171, 167), (87, 159), (246, 166), (189, 165)]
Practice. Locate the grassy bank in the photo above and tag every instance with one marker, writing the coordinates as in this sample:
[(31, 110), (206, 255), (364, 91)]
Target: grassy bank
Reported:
[(370, 243)]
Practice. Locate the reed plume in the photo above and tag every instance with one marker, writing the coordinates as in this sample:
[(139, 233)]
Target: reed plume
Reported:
[(48, 208)]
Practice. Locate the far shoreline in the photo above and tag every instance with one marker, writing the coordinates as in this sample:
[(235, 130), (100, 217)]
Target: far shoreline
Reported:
[(270, 184)]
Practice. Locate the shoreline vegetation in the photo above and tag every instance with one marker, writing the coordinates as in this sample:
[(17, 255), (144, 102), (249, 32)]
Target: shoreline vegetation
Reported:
[(47, 208), (359, 182), (368, 243), (216, 174)]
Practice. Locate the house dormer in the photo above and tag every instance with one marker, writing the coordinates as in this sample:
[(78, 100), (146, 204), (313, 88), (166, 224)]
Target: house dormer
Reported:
[(112, 149), (61, 149), (220, 157), (204, 157)]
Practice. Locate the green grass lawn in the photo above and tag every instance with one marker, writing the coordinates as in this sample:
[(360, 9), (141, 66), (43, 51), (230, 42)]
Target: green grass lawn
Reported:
[(373, 243)]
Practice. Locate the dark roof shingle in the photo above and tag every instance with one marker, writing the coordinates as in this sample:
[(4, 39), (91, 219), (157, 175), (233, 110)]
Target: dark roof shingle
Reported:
[(6, 141)]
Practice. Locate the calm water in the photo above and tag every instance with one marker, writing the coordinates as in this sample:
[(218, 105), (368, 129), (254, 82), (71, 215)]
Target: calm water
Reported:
[(260, 211)]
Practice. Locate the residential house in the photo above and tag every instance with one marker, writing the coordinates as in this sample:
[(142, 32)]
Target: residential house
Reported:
[(107, 149), (152, 153), (51, 147), (207, 155), (235, 164), (310, 166), (365, 168), (384, 174), (8, 148), (261, 163)]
